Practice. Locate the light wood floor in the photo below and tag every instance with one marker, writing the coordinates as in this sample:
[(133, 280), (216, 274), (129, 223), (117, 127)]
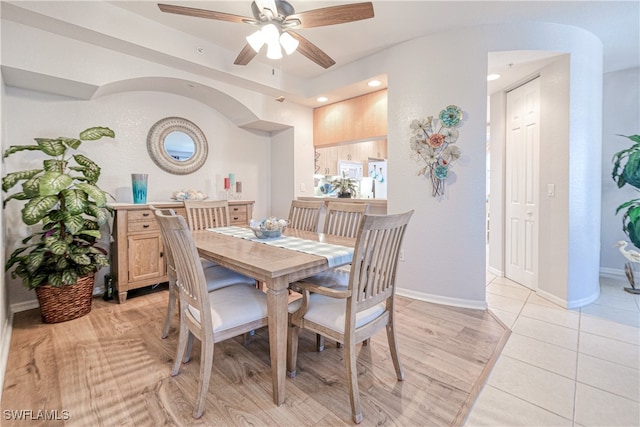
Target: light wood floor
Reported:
[(112, 368)]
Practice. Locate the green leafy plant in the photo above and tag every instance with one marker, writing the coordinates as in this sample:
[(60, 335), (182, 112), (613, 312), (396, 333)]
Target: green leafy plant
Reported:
[(64, 199), (626, 170), (345, 186)]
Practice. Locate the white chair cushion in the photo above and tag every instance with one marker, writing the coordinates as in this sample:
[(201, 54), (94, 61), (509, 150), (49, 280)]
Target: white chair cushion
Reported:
[(207, 263), (234, 305), (333, 278), (219, 277), (331, 312)]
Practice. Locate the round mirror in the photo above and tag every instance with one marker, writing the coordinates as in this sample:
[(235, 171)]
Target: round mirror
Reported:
[(177, 145)]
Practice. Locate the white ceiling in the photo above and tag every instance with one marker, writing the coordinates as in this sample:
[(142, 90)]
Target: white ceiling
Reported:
[(616, 23)]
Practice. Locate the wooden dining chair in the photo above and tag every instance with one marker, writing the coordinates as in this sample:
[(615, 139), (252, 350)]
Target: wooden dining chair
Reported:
[(361, 310), (216, 277), (210, 317), (305, 215), (341, 219)]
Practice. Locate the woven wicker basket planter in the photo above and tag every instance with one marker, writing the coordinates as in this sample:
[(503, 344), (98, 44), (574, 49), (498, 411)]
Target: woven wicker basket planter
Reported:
[(66, 302)]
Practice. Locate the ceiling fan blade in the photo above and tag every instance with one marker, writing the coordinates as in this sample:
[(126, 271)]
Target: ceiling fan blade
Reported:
[(246, 55), (331, 15), (202, 13), (312, 51)]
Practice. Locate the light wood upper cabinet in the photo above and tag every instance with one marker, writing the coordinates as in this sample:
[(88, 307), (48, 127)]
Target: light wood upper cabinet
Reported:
[(327, 157), (355, 119), (327, 161)]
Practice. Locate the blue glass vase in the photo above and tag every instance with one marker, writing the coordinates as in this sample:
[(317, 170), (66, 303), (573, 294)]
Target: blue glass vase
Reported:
[(139, 186)]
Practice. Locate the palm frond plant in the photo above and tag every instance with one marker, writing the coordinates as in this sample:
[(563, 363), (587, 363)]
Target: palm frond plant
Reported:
[(345, 187), (62, 198)]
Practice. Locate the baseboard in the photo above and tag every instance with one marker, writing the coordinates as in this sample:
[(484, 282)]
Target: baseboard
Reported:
[(24, 306), (4, 349), (437, 299), (495, 271), (613, 273), (569, 305)]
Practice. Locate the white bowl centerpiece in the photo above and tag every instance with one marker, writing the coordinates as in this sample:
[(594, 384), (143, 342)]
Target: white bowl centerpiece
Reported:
[(268, 228), (189, 194)]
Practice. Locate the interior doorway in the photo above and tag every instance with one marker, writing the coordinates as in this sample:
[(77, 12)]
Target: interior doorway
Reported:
[(514, 69)]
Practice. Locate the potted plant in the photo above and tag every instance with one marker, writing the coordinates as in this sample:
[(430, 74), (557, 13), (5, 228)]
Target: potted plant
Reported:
[(626, 170), (59, 260), (629, 173), (345, 187)]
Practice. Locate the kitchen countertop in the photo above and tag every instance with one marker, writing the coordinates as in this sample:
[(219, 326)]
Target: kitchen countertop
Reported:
[(376, 206)]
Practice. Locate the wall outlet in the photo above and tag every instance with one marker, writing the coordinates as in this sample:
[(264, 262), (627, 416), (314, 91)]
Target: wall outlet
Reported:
[(401, 257), (303, 187)]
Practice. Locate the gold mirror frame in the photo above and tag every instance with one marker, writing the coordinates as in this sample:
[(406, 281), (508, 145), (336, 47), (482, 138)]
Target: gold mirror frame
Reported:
[(157, 152)]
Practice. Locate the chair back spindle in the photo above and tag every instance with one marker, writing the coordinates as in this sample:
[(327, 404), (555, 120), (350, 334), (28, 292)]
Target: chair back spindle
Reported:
[(202, 214), (305, 215), (343, 219)]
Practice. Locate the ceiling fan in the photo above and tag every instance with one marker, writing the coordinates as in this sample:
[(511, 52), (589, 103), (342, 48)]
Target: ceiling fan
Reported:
[(276, 20)]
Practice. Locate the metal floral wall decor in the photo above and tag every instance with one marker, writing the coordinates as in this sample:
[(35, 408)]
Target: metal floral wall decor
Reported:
[(433, 143)]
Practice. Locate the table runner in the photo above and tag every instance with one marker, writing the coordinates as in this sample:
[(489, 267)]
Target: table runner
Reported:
[(336, 255)]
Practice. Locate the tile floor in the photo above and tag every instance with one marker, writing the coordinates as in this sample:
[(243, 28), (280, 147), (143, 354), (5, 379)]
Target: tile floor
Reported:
[(563, 367)]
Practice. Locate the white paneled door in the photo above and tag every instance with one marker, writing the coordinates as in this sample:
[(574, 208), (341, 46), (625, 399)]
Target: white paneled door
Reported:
[(522, 183)]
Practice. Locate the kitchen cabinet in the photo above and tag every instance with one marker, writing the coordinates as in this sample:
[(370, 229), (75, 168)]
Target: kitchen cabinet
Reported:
[(137, 254), (327, 161), (356, 119), (327, 157)]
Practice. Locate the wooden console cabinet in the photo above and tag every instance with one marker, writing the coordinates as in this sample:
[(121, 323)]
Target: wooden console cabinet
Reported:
[(137, 257)]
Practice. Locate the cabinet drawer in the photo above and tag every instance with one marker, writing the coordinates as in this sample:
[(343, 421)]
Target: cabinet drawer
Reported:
[(141, 215), (149, 225), (238, 218), (238, 210)]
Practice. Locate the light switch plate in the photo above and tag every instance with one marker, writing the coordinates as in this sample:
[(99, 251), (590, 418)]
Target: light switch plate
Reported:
[(551, 190)]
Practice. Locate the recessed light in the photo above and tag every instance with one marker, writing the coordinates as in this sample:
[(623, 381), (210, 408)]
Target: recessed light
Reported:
[(374, 83), (322, 99), (492, 77)]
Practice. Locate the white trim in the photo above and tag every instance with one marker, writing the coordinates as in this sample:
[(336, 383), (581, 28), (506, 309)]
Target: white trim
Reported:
[(437, 299), (4, 349), (24, 306), (612, 273), (569, 305), (495, 271)]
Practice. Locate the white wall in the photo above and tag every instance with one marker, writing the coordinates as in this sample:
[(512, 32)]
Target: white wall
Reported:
[(445, 245), (231, 149), (621, 117), (553, 258)]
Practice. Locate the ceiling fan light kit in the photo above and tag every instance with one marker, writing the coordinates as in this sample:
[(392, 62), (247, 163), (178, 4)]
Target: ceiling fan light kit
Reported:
[(289, 44), (277, 19)]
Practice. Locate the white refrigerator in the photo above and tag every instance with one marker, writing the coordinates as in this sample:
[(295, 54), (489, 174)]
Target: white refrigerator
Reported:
[(378, 174)]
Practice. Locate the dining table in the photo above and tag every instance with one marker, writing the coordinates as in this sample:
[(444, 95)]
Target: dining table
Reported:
[(277, 267)]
